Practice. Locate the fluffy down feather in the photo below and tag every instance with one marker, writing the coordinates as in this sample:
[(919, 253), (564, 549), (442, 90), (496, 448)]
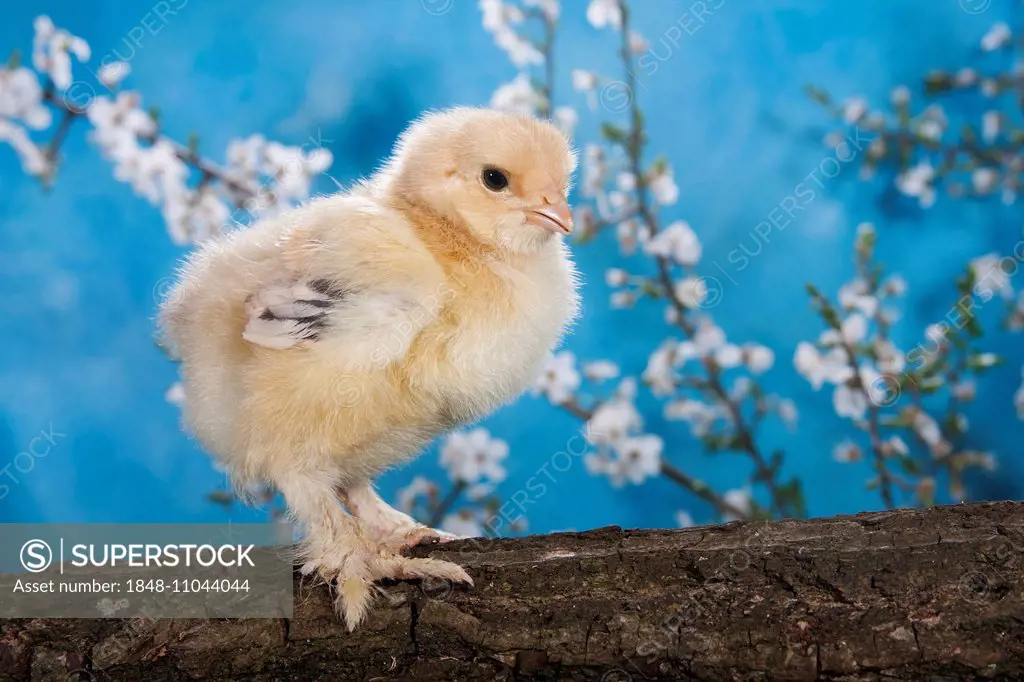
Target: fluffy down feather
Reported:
[(320, 347)]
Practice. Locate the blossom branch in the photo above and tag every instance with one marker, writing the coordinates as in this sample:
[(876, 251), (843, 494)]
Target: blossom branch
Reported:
[(871, 375), (724, 507), (633, 142)]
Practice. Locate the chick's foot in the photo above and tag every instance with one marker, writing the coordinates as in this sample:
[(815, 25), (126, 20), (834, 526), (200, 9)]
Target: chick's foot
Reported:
[(358, 571)]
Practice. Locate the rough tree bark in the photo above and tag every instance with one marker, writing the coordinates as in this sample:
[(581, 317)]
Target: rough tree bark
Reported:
[(934, 594)]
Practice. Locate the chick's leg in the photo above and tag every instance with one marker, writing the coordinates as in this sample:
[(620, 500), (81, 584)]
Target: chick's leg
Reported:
[(339, 549), (386, 525)]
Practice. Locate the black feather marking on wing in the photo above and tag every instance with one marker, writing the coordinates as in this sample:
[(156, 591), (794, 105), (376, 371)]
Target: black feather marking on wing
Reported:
[(306, 326), (328, 288), (316, 303)]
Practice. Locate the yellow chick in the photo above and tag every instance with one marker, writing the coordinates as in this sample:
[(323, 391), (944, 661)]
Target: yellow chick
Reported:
[(321, 347)]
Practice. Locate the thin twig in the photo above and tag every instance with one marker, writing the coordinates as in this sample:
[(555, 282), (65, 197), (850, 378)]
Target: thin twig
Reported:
[(445, 505), (698, 488), (634, 150)]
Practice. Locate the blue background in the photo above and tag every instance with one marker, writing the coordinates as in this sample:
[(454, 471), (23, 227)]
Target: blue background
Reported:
[(79, 264)]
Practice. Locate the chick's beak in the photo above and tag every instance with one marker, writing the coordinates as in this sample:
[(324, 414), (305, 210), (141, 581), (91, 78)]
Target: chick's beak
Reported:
[(555, 217)]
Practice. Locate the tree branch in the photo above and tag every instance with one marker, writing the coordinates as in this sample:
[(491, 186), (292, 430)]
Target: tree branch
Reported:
[(910, 594)]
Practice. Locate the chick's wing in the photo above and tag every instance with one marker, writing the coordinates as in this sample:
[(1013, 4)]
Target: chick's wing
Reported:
[(358, 286)]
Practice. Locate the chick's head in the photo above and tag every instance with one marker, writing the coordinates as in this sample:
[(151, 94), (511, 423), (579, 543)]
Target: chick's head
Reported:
[(505, 177)]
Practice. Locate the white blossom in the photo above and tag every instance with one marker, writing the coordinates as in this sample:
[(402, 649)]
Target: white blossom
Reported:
[(175, 395), (964, 390), (521, 51), (728, 356), (21, 98), (517, 96), (594, 169), (741, 388), (894, 285), (852, 331), (684, 519), (997, 36), (917, 182), (741, 499), (637, 43), (691, 291), (462, 524), (677, 241), (601, 13), (584, 81), (558, 379), (33, 159), (498, 15), (565, 119), (890, 359), (965, 77), (622, 299), (612, 421), (663, 186), (984, 180), (706, 341), (1018, 398), (759, 359), (112, 73), (818, 369), (989, 277), (936, 333), (985, 360), (930, 129), (928, 430), (419, 487), (627, 233), (900, 95), (854, 296), (849, 402), (846, 452), (499, 19), (195, 216), (625, 181), (787, 412), (472, 456), (854, 110), (601, 370), (52, 49), (700, 416), (660, 373), (991, 122), (633, 460), (616, 277), (895, 446)]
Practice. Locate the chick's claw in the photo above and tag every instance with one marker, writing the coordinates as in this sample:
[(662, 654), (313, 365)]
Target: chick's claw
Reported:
[(425, 535), (356, 590)]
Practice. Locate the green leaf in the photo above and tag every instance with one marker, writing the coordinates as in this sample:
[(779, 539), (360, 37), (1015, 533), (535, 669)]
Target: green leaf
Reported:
[(613, 133), (937, 82), (909, 465), (819, 96), (222, 497), (659, 165), (649, 289), (792, 495), (14, 61)]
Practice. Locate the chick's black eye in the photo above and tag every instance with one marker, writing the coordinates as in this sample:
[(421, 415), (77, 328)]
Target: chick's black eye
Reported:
[(494, 179)]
